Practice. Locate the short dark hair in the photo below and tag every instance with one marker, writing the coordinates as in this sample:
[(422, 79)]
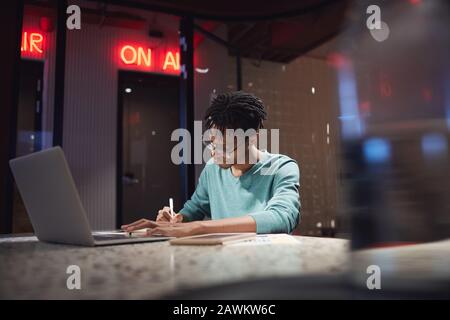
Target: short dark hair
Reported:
[(235, 110)]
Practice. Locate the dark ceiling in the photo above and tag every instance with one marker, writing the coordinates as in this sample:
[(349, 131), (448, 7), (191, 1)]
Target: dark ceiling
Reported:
[(285, 39), (231, 9), (275, 30)]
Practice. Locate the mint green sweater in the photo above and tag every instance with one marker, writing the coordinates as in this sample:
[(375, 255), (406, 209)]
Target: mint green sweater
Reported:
[(268, 192)]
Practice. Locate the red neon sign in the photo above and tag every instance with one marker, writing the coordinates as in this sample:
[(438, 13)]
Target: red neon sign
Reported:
[(32, 42), (130, 55), (144, 59)]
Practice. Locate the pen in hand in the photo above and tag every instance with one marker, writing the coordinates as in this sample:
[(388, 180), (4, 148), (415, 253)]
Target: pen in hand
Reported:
[(171, 207), (168, 214)]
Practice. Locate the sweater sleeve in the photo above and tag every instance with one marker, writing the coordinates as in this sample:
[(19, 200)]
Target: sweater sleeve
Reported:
[(282, 212), (197, 208)]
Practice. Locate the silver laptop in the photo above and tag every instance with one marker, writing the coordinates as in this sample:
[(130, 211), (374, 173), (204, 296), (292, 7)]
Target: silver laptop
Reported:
[(53, 204)]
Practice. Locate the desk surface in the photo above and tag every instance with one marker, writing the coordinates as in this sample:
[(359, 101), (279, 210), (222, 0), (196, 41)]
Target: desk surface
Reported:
[(33, 270)]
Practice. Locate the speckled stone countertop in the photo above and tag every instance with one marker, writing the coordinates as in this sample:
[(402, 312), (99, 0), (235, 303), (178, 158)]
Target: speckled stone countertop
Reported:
[(30, 269)]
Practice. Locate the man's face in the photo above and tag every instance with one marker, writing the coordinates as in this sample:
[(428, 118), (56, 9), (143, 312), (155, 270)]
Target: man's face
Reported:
[(224, 147)]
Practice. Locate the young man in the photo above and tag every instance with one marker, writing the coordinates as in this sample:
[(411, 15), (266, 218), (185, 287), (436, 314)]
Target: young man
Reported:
[(249, 191)]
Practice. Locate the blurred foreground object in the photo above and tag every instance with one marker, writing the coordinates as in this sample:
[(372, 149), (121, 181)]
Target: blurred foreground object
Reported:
[(394, 89), (395, 118)]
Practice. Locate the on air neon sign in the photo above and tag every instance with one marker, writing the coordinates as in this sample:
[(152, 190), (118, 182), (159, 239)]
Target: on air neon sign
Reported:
[(143, 58), (32, 42), (134, 56)]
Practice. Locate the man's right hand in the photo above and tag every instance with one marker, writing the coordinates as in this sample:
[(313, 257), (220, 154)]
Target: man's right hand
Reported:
[(165, 216), (140, 224)]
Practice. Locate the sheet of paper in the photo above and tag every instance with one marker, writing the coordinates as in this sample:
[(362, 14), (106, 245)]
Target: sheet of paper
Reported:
[(264, 239)]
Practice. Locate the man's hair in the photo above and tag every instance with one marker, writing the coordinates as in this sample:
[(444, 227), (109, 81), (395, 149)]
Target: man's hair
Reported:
[(235, 110)]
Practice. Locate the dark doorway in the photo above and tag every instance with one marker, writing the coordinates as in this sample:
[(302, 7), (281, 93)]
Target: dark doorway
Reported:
[(148, 114), (29, 117)]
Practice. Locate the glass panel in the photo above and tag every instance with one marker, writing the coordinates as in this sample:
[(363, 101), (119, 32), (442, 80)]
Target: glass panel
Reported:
[(120, 48), (300, 94)]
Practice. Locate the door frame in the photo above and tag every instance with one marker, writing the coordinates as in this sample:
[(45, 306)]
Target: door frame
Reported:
[(37, 127), (119, 147)]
